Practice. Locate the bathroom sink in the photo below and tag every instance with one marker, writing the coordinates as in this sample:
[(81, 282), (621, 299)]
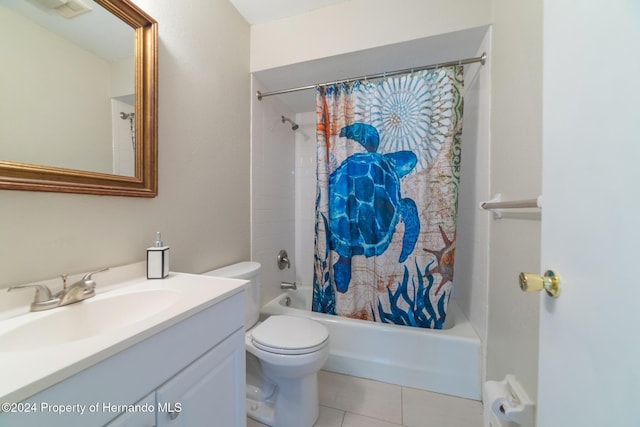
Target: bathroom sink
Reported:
[(40, 349), (85, 319)]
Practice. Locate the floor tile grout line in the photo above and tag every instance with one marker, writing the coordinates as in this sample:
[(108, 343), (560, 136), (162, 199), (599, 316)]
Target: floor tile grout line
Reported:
[(401, 405)]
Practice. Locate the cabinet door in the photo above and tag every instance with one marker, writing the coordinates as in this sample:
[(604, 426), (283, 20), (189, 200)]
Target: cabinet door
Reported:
[(209, 392), (143, 414)]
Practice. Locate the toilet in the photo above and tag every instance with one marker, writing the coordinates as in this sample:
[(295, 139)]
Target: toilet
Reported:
[(284, 355)]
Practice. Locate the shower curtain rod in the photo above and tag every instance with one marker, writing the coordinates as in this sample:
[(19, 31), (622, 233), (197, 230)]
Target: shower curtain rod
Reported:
[(481, 59)]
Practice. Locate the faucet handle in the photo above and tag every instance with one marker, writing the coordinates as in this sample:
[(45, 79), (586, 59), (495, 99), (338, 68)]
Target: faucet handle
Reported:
[(43, 298), (283, 260), (88, 281), (43, 293)]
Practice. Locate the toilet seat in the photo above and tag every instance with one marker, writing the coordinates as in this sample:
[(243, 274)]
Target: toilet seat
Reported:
[(285, 334)]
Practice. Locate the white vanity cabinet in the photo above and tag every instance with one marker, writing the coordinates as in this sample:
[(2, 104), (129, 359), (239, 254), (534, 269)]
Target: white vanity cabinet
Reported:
[(206, 393), (203, 394), (191, 374), (140, 418)]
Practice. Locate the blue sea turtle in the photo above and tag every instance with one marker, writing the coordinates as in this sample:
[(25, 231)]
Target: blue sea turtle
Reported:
[(366, 205)]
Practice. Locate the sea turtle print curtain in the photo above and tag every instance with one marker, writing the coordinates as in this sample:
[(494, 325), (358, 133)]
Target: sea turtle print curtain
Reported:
[(387, 191)]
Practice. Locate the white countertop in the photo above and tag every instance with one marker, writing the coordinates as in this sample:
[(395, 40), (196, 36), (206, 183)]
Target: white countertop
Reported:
[(24, 373)]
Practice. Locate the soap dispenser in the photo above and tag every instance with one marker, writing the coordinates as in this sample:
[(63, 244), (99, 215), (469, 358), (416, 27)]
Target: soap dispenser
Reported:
[(158, 259)]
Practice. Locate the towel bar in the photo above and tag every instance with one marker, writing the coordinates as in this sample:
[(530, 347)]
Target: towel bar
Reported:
[(496, 205)]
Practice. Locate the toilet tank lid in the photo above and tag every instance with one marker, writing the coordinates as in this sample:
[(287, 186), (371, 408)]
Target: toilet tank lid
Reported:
[(241, 270)]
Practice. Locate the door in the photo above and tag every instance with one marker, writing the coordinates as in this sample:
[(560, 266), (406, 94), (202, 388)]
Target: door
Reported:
[(589, 364), (209, 392)]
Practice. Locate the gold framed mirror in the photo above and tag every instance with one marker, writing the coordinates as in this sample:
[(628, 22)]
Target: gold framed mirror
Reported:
[(142, 180)]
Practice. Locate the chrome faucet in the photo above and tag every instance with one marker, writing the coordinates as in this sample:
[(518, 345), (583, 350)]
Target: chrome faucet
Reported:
[(288, 285), (81, 290), (45, 300)]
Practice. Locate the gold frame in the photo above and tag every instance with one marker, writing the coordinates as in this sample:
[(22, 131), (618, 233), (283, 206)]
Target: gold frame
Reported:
[(32, 177)]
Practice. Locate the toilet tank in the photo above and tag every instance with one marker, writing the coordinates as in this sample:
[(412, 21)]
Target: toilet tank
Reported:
[(246, 270)]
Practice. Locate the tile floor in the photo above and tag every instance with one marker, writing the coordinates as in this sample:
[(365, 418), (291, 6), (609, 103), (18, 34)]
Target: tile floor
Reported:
[(347, 401)]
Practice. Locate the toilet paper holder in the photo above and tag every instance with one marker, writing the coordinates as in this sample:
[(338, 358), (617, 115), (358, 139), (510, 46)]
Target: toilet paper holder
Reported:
[(507, 404)]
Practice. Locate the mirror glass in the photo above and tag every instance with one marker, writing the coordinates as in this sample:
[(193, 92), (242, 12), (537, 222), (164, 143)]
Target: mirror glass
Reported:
[(76, 75)]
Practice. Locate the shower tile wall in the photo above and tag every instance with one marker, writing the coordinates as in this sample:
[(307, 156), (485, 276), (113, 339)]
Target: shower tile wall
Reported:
[(305, 190), (272, 192)]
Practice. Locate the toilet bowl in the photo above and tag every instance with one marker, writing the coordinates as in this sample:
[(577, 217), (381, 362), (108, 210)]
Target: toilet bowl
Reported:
[(284, 355), (290, 360)]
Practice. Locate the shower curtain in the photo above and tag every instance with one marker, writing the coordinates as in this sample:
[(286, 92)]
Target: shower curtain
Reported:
[(388, 170)]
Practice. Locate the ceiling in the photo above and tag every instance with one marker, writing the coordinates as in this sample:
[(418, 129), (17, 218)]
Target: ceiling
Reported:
[(261, 11), (86, 31)]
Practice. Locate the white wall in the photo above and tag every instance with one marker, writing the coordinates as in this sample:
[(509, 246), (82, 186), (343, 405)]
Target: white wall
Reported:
[(203, 204), (360, 24), (122, 77), (516, 168)]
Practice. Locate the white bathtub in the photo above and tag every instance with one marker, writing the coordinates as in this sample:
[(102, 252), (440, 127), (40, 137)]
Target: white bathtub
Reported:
[(443, 361)]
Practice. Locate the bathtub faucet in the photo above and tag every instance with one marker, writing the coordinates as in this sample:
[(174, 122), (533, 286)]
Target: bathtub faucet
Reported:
[(288, 285)]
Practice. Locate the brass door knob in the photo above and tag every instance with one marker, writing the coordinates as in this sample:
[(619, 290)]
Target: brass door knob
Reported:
[(550, 282)]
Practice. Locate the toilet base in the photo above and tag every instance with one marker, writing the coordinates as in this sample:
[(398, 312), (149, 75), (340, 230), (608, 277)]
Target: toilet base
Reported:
[(295, 404), (261, 411)]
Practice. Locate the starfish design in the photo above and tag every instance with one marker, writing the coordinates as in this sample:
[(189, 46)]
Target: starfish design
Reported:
[(445, 258)]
